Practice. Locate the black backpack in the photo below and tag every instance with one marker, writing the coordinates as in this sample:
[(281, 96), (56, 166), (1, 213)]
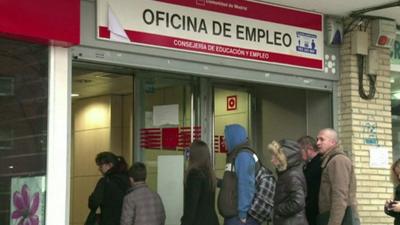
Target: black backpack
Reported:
[(263, 202)]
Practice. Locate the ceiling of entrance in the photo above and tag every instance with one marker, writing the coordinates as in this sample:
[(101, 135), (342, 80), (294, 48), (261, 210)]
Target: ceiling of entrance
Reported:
[(89, 82), (343, 8)]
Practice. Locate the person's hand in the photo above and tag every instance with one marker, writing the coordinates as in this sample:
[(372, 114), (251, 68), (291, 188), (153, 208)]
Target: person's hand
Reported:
[(394, 206)]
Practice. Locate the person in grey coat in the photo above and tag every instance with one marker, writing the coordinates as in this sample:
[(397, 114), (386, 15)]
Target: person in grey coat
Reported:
[(141, 205), (291, 187)]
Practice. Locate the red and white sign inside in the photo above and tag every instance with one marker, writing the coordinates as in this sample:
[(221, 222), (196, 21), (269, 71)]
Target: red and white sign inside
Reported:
[(231, 103), (242, 29)]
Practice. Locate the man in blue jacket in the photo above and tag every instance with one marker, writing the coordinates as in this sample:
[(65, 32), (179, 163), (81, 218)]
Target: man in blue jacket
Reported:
[(235, 138)]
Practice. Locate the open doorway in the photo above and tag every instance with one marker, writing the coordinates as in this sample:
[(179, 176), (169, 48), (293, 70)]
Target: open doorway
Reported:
[(268, 113), (102, 106)]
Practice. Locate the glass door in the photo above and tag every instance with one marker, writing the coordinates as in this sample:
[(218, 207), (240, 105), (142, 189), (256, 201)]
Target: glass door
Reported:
[(166, 122)]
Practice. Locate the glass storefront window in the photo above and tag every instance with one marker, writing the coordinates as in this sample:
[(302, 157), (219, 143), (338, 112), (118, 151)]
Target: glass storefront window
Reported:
[(169, 124), (23, 131)]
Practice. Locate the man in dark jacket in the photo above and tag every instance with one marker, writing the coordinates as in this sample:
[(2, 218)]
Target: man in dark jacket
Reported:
[(312, 172)]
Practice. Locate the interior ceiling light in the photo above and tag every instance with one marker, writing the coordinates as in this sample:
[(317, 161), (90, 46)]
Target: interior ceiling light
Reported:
[(74, 95)]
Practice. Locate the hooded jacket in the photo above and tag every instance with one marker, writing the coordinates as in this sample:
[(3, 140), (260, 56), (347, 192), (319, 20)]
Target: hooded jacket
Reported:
[(235, 135), (291, 187)]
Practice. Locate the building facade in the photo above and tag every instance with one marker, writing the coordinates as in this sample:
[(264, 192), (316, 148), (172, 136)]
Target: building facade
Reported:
[(149, 78)]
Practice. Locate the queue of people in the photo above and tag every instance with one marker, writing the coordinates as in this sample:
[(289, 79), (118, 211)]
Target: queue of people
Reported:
[(314, 184)]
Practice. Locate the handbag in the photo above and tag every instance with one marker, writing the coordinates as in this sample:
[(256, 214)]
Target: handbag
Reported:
[(348, 218)]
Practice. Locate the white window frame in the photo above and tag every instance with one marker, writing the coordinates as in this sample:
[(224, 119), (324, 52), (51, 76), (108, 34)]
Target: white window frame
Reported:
[(59, 137)]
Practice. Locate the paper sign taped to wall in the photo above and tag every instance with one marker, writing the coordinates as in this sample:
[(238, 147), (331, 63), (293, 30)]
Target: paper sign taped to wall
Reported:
[(378, 157), (166, 115)]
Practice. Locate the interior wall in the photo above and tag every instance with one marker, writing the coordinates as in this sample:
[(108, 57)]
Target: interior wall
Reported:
[(290, 113), (98, 125), (283, 113), (319, 111)]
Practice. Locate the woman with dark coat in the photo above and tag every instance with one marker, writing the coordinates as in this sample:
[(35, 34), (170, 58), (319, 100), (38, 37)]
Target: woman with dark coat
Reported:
[(200, 183), (392, 207), (291, 187), (109, 191)]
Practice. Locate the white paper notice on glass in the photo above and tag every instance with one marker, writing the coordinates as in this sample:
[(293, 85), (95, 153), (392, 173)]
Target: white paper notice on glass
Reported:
[(166, 115), (378, 157)]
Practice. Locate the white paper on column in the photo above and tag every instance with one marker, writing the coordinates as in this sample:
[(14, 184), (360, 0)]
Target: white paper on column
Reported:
[(170, 186), (117, 32), (166, 115), (378, 157)]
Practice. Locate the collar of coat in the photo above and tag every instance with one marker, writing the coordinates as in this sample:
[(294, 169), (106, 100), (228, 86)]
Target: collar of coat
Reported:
[(330, 154), (137, 186)]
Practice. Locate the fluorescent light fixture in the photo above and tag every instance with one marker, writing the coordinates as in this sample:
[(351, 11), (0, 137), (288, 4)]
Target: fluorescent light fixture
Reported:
[(74, 95)]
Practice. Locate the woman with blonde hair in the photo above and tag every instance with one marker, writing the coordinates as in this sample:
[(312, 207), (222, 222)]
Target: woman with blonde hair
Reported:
[(392, 207), (200, 183), (291, 187)]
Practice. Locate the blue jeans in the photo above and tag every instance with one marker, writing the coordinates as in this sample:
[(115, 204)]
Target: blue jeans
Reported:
[(236, 221)]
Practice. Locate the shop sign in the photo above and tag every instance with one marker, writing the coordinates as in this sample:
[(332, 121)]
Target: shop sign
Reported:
[(395, 55), (241, 29)]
